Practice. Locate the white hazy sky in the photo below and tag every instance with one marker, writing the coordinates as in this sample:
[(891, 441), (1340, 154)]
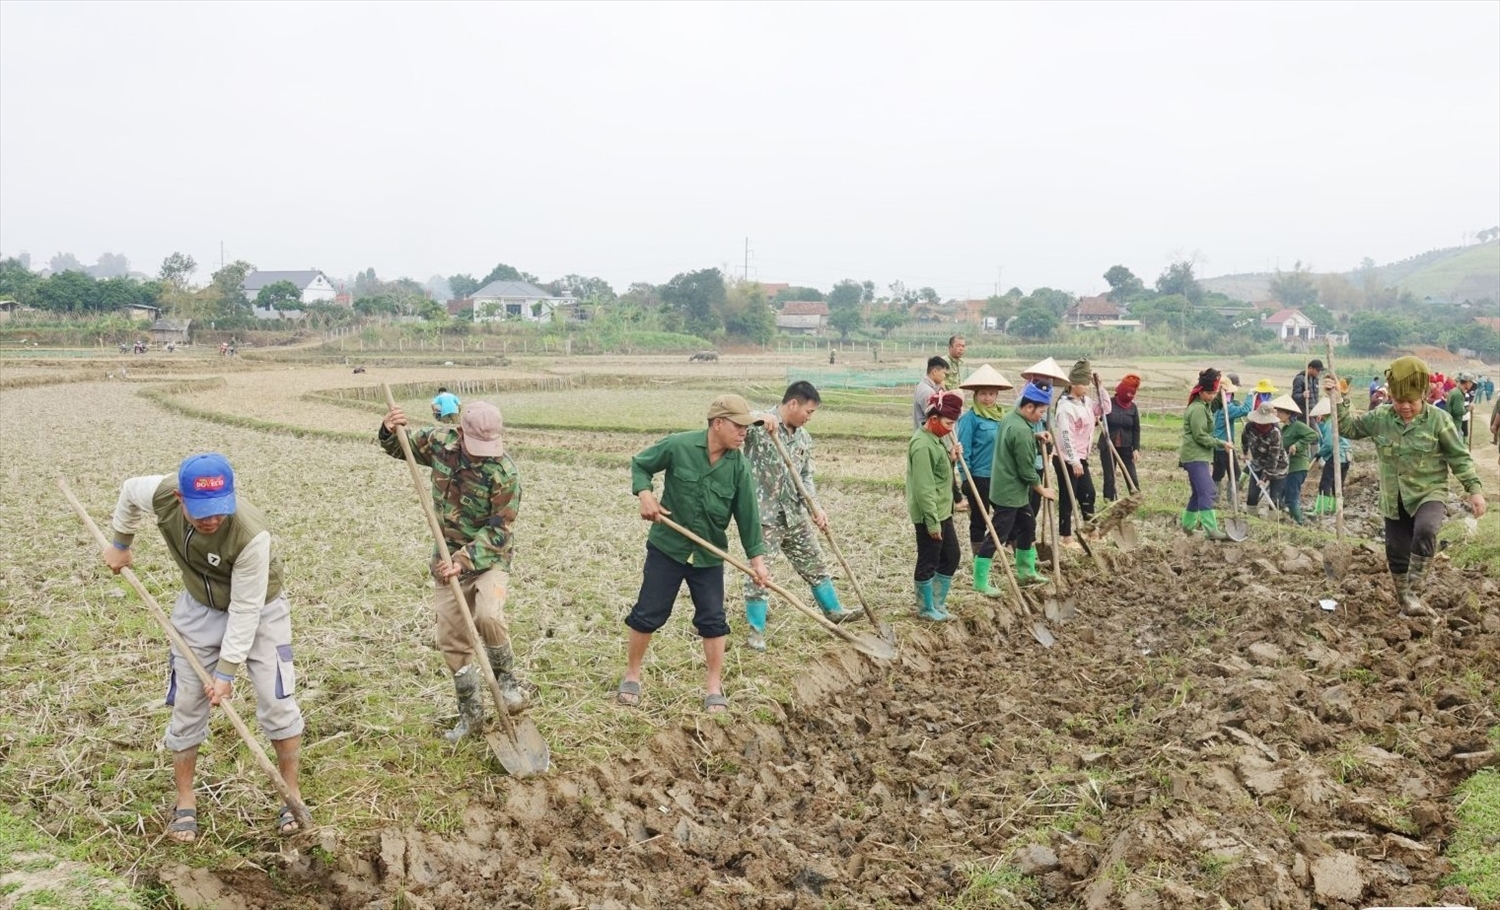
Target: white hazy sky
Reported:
[(945, 145)]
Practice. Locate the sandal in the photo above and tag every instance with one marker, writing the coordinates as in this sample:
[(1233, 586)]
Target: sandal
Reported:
[(184, 822), (629, 693), (715, 703), (286, 821)]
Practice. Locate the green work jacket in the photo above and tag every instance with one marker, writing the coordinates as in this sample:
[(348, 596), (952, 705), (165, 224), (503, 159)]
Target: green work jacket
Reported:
[(1302, 437), (1013, 470), (929, 481), (1414, 457), (1198, 442), (701, 497)]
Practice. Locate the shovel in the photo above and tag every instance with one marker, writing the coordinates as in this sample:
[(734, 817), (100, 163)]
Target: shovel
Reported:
[(521, 751), (1235, 524), (1125, 506), (1336, 554), (1076, 510), (863, 642), (984, 512), (299, 811), (886, 631)]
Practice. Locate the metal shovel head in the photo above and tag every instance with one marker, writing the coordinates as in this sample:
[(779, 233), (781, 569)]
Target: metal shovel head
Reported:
[(1059, 610), (1043, 551), (526, 754), (1237, 528), (878, 648), (1125, 536), (1042, 635)]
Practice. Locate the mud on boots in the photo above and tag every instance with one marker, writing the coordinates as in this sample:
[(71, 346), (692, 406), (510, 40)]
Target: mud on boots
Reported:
[(1408, 587), (926, 606), (1209, 519), (756, 609), (982, 567), (941, 584), (503, 662), (1026, 573), (1190, 521), (828, 601), (470, 705)]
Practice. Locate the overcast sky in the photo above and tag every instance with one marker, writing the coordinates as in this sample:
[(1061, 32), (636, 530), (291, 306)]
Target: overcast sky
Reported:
[(955, 146)]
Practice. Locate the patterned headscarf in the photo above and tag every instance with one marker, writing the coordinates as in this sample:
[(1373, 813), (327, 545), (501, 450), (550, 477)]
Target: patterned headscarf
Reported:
[(1208, 381)]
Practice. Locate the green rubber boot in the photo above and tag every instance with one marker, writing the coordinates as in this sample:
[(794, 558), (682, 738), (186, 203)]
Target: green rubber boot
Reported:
[(925, 607), (1026, 572), (1189, 521), (1210, 521), (982, 566), (941, 584)]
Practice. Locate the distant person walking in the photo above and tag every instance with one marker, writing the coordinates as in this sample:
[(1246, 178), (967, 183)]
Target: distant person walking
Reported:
[(445, 406)]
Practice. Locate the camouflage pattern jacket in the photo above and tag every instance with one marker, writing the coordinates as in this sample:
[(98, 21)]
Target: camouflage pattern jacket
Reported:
[(476, 498), (776, 492), (1264, 451), (1415, 457)]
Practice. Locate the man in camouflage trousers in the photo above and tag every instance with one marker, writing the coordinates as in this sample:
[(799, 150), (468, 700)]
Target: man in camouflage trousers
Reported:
[(785, 521), (476, 489)]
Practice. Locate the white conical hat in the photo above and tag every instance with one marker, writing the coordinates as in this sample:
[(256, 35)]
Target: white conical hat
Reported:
[(1286, 403), (1046, 369), (986, 377), (1321, 409)]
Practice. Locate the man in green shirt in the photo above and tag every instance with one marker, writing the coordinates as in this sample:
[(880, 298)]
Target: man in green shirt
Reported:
[(1416, 445), (707, 481), (957, 344), (1013, 478)]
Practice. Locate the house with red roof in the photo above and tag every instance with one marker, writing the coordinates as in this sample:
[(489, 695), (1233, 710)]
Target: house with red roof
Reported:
[(1088, 312), (1291, 324)]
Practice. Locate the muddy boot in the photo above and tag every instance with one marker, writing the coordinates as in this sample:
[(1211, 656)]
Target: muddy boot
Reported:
[(1189, 521), (1411, 593), (1294, 509), (503, 662), (925, 607), (755, 617), (1026, 572), (941, 584), (470, 706), (1210, 521), (828, 602), (982, 566)]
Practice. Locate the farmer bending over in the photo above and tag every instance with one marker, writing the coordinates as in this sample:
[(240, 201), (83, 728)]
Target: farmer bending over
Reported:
[(232, 613), (707, 481), (476, 490), (1416, 445)]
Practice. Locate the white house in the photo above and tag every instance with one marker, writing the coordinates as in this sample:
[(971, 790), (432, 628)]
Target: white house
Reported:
[(314, 285), (1291, 325), (802, 317), (510, 300)]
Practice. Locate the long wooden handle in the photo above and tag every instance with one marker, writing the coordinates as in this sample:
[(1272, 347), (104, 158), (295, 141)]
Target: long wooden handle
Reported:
[(462, 603), (299, 810), (812, 507), (1338, 466), (984, 513), (1117, 458)]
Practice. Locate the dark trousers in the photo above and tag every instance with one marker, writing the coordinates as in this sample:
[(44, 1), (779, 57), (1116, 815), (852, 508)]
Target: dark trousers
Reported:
[(1325, 480), (1291, 493), (936, 557), (1128, 456), (1274, 486), (1221, 463), (1082, 486), (1412, 535), (1015, 525), (1203, 491), (977, 530), (660, 582)]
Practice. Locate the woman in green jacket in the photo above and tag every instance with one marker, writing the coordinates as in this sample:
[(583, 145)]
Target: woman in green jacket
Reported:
[(1301, 443), (1196, 456), (929, 500)]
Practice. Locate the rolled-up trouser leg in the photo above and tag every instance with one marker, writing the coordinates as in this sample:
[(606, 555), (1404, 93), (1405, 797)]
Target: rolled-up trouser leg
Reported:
[(485, 594)]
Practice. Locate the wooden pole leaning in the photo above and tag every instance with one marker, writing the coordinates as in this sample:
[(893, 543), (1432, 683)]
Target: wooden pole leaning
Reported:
[(299, 809)]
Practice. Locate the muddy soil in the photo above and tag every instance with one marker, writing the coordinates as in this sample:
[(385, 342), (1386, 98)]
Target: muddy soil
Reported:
[(1200, 731)]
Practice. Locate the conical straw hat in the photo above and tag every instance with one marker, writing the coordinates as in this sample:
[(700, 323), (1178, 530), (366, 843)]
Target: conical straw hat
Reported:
[(1046, 369), (986, 377), (1321, 409), (1286, 403)]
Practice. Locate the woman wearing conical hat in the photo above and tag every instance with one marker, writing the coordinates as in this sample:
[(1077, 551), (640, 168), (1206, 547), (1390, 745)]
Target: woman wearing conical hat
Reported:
[(1301, 443), (976, 432), (1264, 455), (1416, 445)]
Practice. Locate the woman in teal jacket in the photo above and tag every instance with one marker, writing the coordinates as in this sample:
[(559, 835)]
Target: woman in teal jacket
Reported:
[(929, 501), (975, 432)]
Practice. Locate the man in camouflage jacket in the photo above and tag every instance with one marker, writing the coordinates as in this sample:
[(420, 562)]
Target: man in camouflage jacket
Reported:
[(476, 489), (1416, 445), (785, 521)]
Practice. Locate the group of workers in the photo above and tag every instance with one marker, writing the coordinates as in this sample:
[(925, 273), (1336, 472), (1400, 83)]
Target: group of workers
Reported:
[(756, 468)]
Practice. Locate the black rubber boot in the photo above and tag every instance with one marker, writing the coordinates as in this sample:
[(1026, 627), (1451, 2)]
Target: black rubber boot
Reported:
[(470, 705), (503, 661)]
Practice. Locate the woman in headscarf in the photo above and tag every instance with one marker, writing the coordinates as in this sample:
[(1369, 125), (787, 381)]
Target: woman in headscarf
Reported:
[(1196, 454), (1416, 446), (975, 432), (1123, 424), (929, 501)]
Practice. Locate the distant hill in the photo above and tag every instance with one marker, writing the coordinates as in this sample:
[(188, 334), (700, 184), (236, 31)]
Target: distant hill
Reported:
[(1446, 276)]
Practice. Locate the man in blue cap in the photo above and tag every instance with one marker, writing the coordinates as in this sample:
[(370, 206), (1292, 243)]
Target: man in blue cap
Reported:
[(232, 613), (1015, 479)]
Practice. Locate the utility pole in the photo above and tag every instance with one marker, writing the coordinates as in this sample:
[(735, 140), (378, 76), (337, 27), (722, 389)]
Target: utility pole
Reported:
[(221, 255), (745, 275)]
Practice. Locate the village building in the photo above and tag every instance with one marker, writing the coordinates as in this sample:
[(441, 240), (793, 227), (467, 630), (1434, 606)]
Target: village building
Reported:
[(1292, 325), (1090, 312), (312, 284), (175, 331), (802, 317), (520, 300)]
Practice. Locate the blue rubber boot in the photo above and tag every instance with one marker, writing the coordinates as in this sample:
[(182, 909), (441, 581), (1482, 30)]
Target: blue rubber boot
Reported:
[(755, 616), (940, 586), (925, 608), (828, 602)]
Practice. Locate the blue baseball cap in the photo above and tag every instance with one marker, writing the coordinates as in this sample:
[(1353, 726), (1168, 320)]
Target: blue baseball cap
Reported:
[(206, 484)]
